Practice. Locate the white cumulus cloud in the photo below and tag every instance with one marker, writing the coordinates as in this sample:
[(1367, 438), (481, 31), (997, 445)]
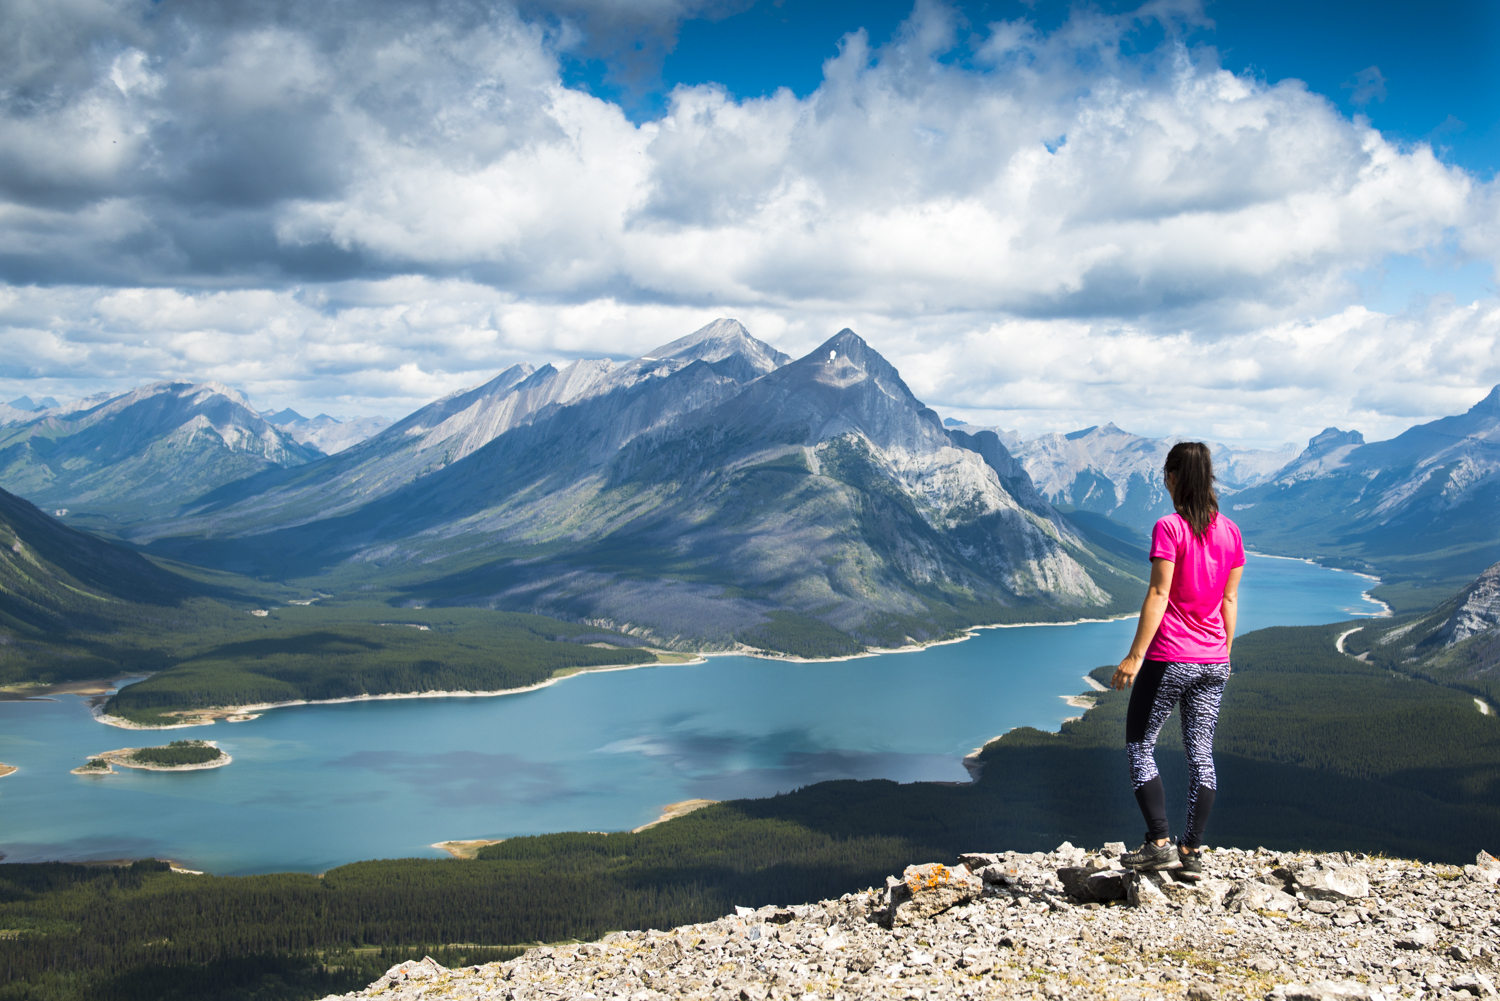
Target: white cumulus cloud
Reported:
[(367, 205)]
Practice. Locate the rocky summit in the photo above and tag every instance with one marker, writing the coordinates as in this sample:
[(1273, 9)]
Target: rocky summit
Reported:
[(1061, 925)]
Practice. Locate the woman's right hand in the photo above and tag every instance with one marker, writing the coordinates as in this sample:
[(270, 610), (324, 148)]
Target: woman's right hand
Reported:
[(1126, 672)]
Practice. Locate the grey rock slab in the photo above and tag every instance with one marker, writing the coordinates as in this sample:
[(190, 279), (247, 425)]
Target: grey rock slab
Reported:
[(1253, 895), (1475, 983), (1204, 893), (1333, 884), (1423, 937), (1075, 879), (1107, 885), (1141, 891), (1331, 990)]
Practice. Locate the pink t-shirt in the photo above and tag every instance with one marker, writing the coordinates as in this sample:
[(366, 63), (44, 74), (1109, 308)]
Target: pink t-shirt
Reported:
[(1193, 628)]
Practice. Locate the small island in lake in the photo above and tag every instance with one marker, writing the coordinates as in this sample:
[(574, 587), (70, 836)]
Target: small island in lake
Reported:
[(6, 770), (178, 756)]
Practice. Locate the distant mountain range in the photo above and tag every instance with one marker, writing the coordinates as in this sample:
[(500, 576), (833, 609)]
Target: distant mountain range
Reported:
[(327, 434), (144, 453), (715, 492), (27, 404), (1424, 505), (1112, 472), (707, 493)]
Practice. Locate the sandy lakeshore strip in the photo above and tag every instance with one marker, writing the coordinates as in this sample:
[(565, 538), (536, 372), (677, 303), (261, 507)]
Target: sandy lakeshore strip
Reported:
[(7, 770), (239, 714), (465, 849), (674, 810), (28, 691), (470, 848), (123, 758), (1083, 702)]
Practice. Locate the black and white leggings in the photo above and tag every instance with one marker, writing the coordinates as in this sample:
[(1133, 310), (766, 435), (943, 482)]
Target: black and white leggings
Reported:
[(1158, 687)]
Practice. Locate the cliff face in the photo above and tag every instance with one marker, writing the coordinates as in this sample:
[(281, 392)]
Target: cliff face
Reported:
[(1290, 927)]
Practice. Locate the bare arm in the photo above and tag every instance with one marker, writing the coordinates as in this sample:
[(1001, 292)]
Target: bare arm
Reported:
[(1230, 607), (1152, 610)]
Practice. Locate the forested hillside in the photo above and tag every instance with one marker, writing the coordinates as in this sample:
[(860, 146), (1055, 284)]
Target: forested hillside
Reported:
[(1456, 644), (305, 653), (63, 591), (75, 607)]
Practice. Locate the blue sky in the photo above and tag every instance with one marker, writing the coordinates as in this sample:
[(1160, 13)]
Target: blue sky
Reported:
[(1231, 220), (1438, 63)]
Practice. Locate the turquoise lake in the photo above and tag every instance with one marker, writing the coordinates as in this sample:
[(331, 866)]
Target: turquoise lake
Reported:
[(312, 787)]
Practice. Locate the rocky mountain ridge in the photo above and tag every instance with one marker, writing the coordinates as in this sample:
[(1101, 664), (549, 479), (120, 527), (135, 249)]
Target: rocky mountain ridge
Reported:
[(1066, 925), (451, 429), (1457, 643), (1113, 472), (1422, 503), (692, 495)]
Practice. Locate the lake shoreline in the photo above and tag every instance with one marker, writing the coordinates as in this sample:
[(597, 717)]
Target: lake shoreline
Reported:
[(245, 713), (235, 714), (1386, 610)]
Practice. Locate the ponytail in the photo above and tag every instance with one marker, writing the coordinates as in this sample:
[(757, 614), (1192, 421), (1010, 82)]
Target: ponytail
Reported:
[(1192, 471)]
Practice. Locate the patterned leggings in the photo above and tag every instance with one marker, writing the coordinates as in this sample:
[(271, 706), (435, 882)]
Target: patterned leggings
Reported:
[(1158, 687)]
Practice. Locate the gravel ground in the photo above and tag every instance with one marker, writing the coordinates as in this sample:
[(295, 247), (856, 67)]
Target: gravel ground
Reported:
[(1260, 924)]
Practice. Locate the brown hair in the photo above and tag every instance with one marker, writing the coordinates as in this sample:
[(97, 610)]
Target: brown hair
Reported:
[(1192, 469)]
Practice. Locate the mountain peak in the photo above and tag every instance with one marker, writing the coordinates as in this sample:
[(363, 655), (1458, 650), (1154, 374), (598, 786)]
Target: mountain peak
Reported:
[(203, 390), (1489, 405), (717, 341), (27, 403), (846, 348), (1331, 438)]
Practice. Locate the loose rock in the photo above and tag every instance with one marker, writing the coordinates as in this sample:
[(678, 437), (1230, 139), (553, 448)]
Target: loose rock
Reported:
[(925, 890), (1418, 932)]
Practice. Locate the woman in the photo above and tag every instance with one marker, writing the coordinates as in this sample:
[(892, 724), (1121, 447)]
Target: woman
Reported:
[(1181, 654)]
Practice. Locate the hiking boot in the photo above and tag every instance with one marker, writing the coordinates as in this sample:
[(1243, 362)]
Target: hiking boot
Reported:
[(1192, 865), (1150, 857)]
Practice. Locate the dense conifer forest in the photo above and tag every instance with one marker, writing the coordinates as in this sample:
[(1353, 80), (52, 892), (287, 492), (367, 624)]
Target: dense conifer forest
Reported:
[(179, 752), (296, 653), (1316, 750)]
